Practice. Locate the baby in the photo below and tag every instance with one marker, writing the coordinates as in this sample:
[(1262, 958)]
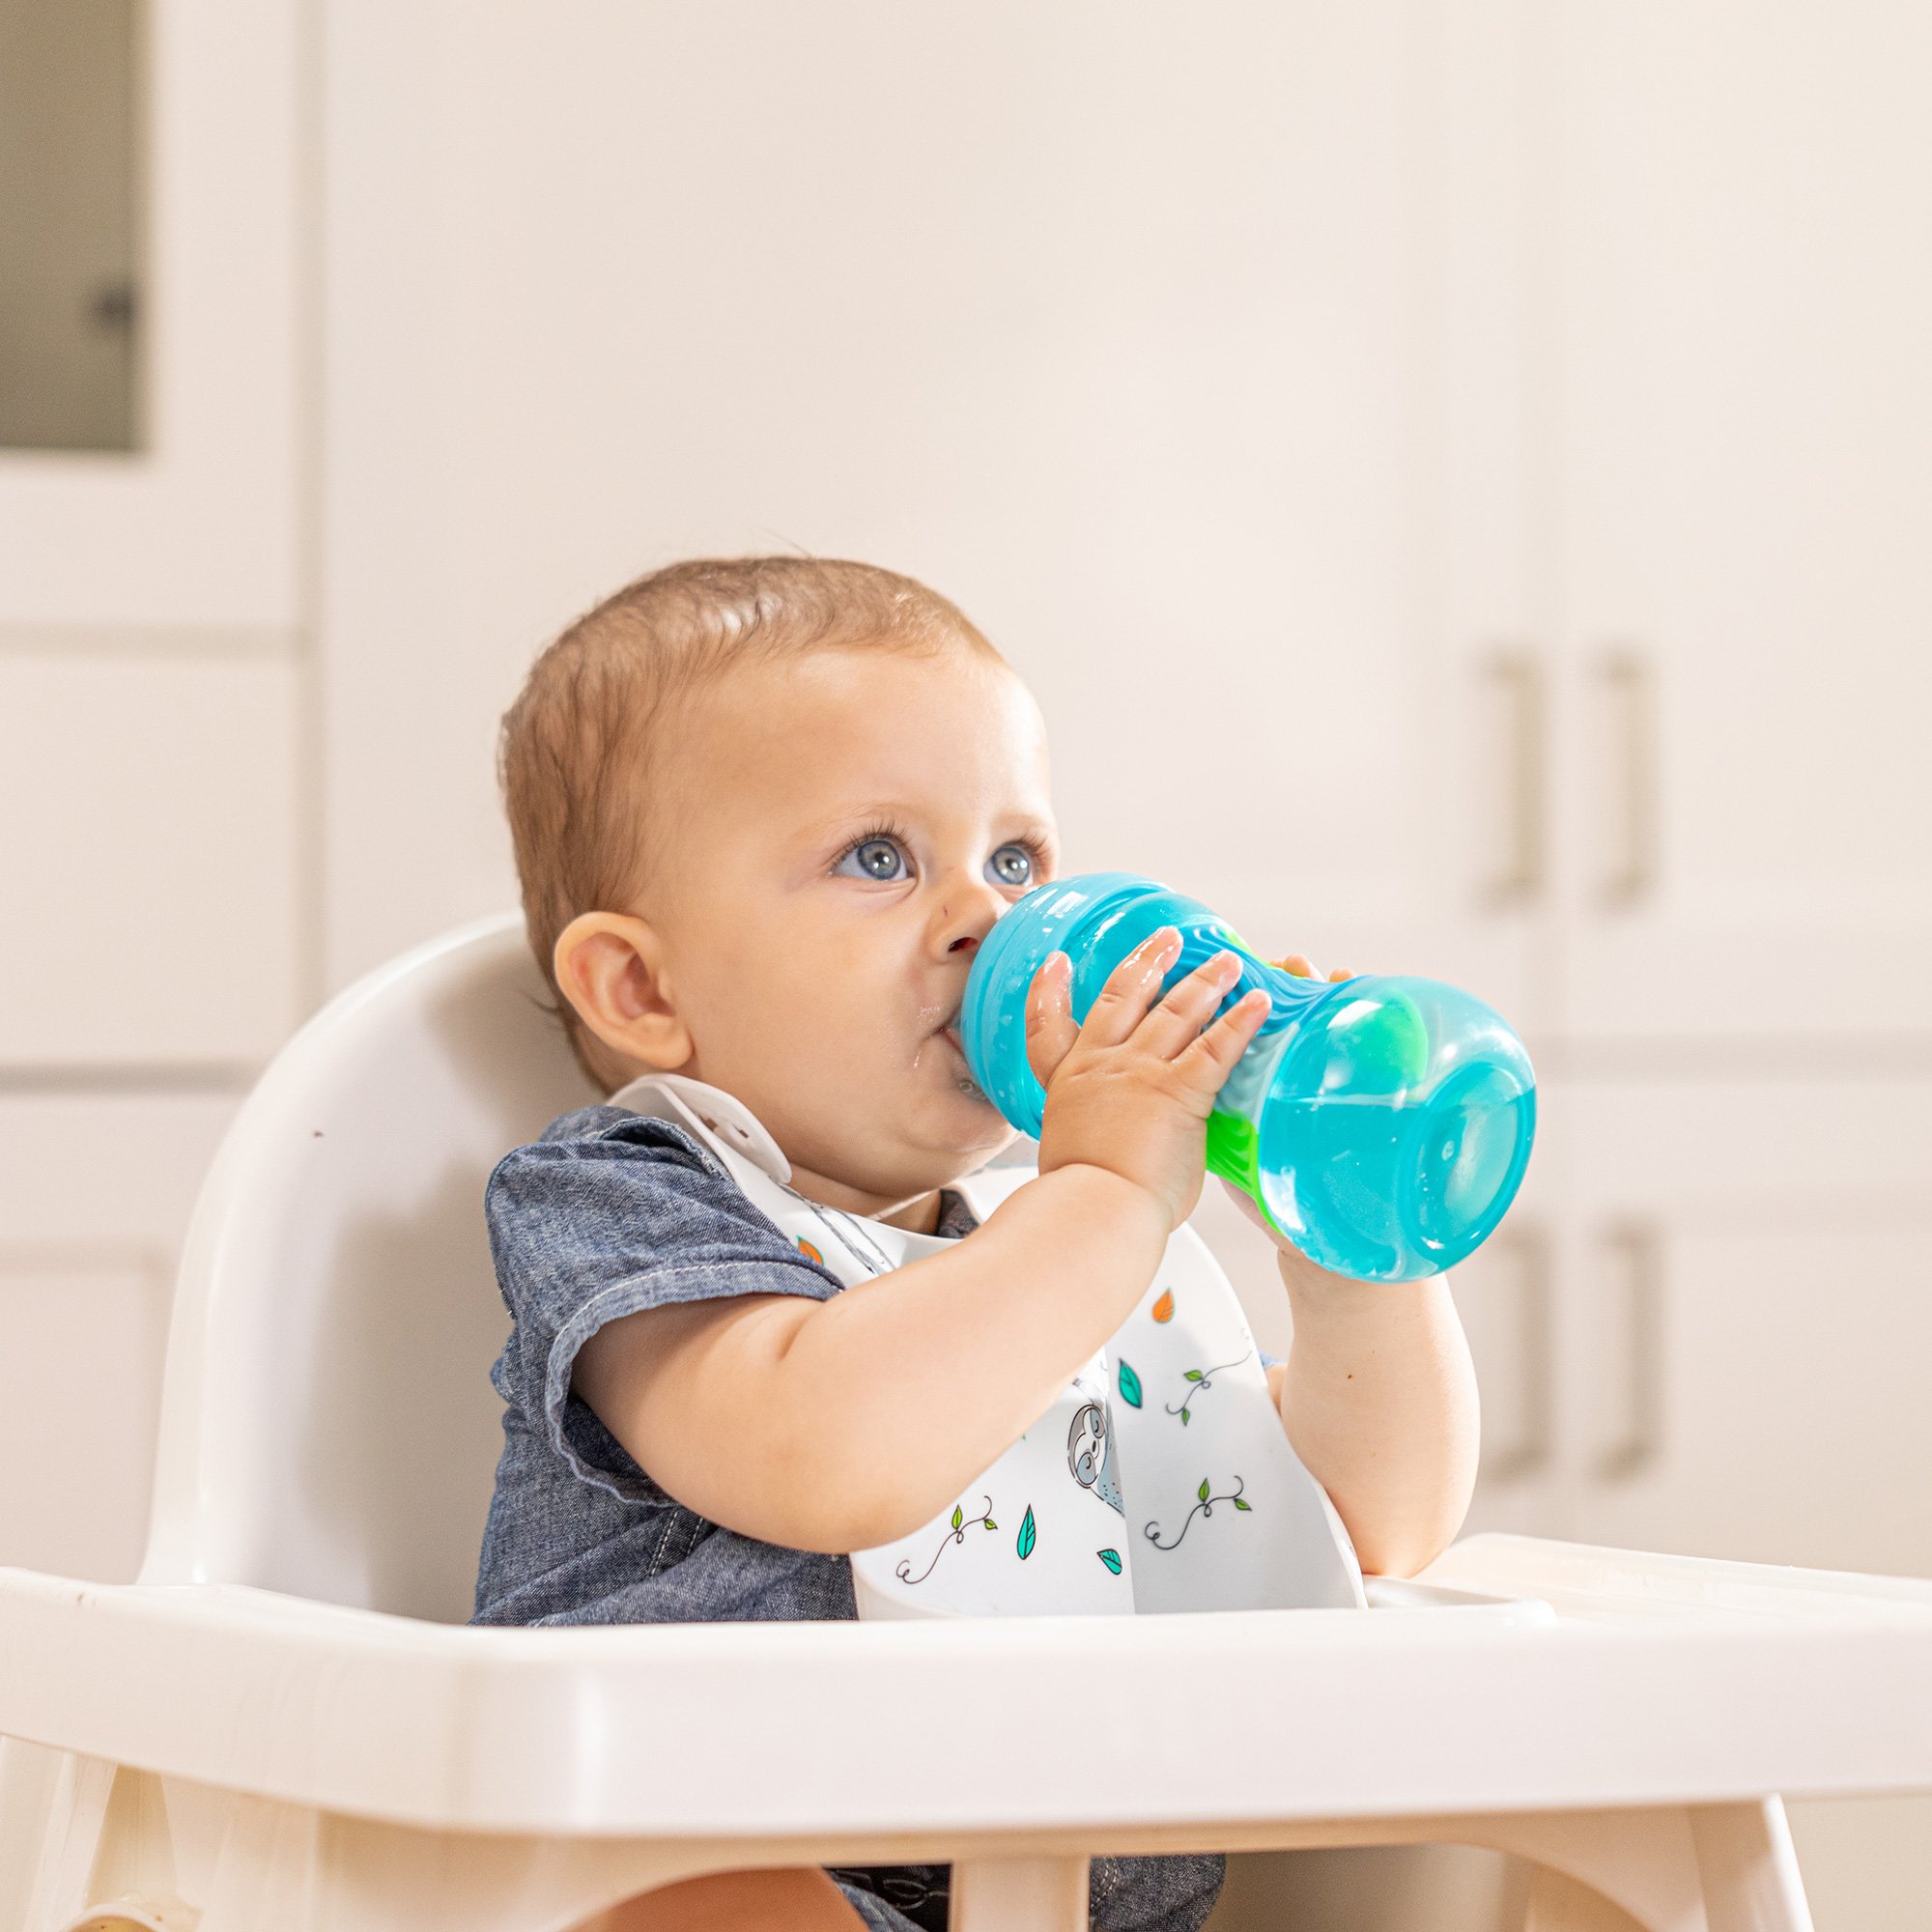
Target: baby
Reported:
[(765, 811)]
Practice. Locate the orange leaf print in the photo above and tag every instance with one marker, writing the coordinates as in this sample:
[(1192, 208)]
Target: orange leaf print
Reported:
[(811, 1253), (1163, 1309)]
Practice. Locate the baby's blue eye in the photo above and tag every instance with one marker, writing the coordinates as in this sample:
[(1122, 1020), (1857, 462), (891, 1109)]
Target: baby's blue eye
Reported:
[(1011, 866), (880, 858)]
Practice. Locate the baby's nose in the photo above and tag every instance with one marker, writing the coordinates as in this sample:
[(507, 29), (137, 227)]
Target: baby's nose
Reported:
[(967, 911)]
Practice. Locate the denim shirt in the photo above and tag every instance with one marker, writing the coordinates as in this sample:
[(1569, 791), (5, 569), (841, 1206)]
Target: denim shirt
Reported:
[(608, 1213)]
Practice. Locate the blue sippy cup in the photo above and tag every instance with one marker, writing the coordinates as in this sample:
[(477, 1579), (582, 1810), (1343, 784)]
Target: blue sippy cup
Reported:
[(1382, 1125)]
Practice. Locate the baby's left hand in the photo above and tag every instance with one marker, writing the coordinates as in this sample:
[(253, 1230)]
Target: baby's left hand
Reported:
[(1297, 964), (1293, 1258)]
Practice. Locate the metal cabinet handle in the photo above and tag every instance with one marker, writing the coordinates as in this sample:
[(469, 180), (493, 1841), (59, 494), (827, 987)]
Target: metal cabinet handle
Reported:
[(1525, 1250), (1515, 678), (1634, 1267), (1629, 705)]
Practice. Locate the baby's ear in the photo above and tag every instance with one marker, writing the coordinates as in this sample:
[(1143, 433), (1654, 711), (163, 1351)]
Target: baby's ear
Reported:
[(609, 966)]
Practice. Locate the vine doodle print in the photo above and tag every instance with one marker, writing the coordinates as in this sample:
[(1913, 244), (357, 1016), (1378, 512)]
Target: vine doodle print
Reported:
[(955, 1533), (1204, 1378), (1203, 1507)]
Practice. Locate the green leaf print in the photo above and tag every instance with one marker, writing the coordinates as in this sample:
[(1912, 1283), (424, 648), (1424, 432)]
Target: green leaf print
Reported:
[(991, 1524), (1026, 1538), (957, 1517), (1131, 1386), (1194, 1375), (1240, 1505), (1111, 1558), (1202, 1492)]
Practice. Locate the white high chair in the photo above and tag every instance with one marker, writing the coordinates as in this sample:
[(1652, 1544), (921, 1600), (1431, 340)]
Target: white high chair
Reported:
[(282, 1725)]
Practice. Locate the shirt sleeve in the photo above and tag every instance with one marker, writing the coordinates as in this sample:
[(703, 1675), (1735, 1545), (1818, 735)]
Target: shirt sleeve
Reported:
[(610, 1213)]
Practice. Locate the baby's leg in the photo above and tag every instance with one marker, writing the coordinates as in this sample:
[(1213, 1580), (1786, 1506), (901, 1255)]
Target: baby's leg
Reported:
[(799, 1898)]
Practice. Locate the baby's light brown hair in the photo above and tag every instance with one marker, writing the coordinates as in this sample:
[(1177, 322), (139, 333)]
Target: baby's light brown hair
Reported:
[(574, 755)]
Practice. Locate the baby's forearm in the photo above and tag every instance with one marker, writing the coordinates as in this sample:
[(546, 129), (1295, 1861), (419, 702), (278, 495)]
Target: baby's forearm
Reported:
[(901, 1390), (1378, 1398)]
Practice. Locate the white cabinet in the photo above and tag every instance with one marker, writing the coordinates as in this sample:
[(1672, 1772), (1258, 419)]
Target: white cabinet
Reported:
[(152, 843), (1750, 1295), (1741, 446), (94, 1195), (1690, 301), (153, 599), (198, 530), (1730, 1305), (152, 867), (1692, 452)]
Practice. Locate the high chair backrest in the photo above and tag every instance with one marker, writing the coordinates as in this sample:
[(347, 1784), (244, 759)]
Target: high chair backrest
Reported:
[(328, 1427)]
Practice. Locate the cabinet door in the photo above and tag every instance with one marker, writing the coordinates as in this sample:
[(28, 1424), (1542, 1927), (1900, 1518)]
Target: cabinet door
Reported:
[(151, 865), (1748, 1312), (94, 1195), (1741, 450), (195, 528), (1132, 351)]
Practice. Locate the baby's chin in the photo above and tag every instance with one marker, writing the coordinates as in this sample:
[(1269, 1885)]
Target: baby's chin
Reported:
[(959, 1136), (898, 1144)]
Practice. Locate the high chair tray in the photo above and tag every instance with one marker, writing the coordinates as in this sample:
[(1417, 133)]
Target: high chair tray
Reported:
[(1600, 1678)]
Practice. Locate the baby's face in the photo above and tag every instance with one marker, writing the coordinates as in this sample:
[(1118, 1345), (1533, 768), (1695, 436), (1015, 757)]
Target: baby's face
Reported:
[(843, 828)]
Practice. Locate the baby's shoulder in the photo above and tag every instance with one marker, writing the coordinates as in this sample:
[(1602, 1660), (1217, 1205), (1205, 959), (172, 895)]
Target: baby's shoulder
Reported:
[(614, 1135), (604, 1180), (593, 1146), (610, 1203), (607, 1123)]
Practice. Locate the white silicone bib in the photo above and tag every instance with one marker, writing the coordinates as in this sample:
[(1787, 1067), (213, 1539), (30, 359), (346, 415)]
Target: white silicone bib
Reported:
[(1160, 1479)]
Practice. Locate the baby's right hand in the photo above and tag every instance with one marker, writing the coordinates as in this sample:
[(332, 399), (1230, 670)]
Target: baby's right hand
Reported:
[(1131, 1089)]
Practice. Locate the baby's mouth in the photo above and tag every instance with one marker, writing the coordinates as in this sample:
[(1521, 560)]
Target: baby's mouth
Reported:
[(950, 1033)]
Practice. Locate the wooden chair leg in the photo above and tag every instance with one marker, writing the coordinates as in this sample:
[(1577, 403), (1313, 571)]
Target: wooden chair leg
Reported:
[(1019, 1896)]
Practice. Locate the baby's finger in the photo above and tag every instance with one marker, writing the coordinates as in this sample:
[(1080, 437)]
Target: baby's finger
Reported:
[(1340, 974), (1297, 964), (1208, 1061), (1050, 1031), (1189, 1005), (1131, 988)]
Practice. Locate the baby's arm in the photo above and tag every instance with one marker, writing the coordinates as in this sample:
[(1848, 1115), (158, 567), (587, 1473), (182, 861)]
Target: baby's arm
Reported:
[(1378, 1398), (843, 1424)]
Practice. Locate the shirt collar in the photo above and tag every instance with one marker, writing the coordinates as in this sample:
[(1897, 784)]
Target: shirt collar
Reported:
[(712, 1114)]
